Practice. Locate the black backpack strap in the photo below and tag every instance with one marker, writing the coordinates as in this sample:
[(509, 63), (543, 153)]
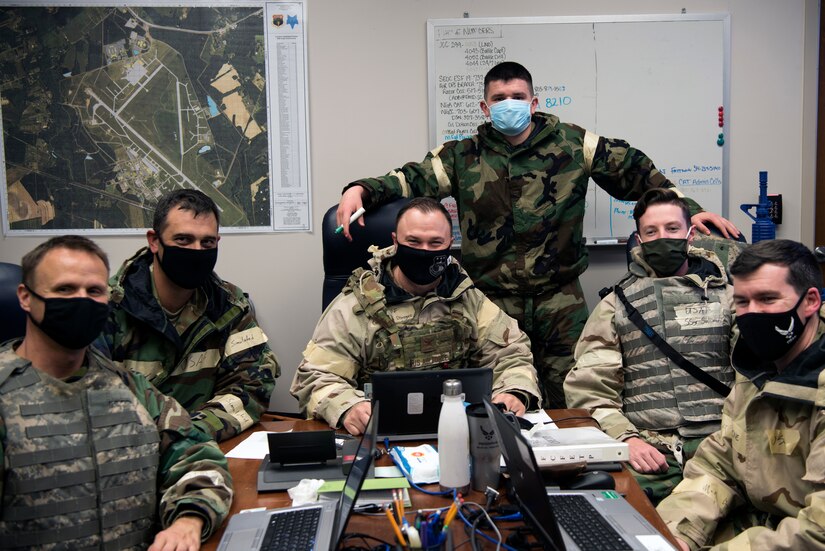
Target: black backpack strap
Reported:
[(715, 384)]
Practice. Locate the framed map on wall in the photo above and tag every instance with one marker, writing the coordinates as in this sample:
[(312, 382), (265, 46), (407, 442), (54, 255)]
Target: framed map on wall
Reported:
[(106, 108)]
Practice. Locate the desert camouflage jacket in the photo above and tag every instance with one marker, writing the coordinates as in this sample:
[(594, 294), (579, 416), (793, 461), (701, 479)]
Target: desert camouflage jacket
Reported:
[(346, 340), (521, 208), (618, 391), (220, 369), (769, 453), (191, 475)]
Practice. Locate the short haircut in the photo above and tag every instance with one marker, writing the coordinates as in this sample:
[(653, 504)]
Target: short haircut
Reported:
[(33, 258), (507, 71), (659, 196), (425, 205), (183, 199), (803, 269)]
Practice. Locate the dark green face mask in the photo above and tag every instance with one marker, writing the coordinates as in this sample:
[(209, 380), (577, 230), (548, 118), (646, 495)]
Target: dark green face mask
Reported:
[(665, 255)]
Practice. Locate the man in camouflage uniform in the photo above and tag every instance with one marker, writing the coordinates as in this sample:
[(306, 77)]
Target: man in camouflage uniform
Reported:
[(192, 334), (416, 309), (628, 384), (520, 187), (93, 456), (759, 482)]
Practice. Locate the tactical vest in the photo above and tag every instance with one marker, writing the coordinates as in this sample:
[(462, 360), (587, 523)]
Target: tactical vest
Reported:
[(658, 395), (81, 463), (409, 345)]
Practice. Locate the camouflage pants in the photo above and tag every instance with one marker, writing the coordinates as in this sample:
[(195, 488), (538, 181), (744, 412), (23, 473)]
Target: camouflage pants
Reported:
[(554, 321), (658, 486)]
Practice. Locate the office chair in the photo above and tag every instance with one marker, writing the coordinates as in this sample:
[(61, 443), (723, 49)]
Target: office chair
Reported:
[(725, 249), (13, 318), (341, 257)]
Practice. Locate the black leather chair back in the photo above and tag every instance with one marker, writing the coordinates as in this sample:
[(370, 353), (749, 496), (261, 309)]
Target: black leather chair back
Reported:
[(341, 257), (12, 317)]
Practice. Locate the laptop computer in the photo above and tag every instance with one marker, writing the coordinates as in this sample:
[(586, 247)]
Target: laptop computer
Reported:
[(321, 524), (570, 520), (411, 400)]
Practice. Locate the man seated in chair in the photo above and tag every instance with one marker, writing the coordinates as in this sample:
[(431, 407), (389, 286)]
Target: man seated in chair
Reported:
[(189, 332), (629, 384), (93, 456), (758, 483), (416, 309)]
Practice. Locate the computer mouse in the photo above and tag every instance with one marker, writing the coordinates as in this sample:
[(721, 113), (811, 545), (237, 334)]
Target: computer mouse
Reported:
[(592, 480)]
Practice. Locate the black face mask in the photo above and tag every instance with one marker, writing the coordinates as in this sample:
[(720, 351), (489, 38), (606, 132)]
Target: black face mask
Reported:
[(771, 336), (665, 255), (72, 322), (187, 268), (421, 266)]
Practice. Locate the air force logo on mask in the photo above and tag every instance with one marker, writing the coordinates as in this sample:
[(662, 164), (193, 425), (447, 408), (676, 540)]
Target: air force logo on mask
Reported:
[(439, 265), (788, 333)]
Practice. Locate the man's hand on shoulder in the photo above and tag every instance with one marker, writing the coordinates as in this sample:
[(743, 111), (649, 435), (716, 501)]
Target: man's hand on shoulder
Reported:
[(357, 417), (644, 458), (512, 403), (183, 535), (724, 225)]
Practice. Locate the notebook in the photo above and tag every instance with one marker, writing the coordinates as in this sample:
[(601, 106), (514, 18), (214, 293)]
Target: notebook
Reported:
[(569, 519), (411, 400), (324, 528)]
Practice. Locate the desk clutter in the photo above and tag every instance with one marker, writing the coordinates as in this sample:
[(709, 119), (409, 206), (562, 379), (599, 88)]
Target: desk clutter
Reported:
[(525, 503)]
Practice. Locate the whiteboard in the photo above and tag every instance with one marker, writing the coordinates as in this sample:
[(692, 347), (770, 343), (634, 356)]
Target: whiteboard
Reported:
[(656, 81)]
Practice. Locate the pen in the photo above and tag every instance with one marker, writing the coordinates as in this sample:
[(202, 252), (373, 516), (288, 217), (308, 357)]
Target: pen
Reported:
[(450, 515), (355, 216), (395, 527)]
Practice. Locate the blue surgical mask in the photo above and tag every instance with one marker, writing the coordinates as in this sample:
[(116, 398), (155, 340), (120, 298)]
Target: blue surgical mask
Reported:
[(510, 116)]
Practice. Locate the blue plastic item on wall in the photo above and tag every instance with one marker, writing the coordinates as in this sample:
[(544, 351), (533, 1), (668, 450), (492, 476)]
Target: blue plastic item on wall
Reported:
[(763, 226)]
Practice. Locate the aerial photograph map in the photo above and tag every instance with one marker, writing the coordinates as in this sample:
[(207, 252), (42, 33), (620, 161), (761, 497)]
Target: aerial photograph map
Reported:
[(105, 109)]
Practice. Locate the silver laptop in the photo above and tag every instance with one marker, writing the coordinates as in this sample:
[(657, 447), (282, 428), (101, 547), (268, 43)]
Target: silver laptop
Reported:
[(567, 519), (411, 400), (324, 522)]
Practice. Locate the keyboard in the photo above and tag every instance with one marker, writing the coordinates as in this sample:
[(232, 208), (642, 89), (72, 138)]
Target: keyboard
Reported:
[(585, 525), (292, 530)]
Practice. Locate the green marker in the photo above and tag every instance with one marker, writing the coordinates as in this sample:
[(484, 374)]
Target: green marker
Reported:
[(355, 216)]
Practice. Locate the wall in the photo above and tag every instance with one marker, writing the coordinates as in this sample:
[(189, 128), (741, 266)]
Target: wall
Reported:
[(368, 114)]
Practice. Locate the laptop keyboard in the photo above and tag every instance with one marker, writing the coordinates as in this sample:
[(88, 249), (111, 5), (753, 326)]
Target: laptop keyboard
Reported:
[(292, 530), (585, 525)]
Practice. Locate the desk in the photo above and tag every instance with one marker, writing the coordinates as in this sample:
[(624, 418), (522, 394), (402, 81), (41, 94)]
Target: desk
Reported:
[(245, 471)]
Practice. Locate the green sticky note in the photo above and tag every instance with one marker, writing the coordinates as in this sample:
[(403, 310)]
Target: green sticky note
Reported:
[(369, 484)]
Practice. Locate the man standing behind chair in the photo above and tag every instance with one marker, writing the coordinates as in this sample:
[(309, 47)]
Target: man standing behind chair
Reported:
[(192, 334), (91, 455), (520, 186), (416, 309), (759, 482), (625, 380)]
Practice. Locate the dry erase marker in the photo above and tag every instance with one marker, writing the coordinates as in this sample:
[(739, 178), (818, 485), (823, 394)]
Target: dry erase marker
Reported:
[(355, 216)]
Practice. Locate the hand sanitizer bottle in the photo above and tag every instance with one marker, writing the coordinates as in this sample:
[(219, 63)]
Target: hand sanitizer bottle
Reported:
[(453, 440)]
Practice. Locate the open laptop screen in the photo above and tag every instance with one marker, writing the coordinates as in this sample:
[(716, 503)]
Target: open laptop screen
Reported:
[(528, 485), (358, 472), (411, 400)]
